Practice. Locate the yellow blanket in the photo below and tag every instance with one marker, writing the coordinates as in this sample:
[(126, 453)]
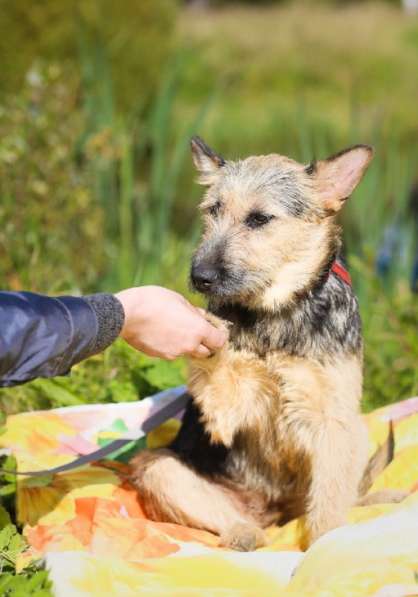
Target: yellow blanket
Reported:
[(89, 524)]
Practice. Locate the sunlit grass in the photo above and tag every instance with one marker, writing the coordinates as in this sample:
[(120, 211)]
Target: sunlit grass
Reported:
[(363, 53)]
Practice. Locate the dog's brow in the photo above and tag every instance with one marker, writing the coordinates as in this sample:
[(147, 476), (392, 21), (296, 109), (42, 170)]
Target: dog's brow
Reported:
[(210, 202), (283, 184), (277, 177), (271, 179)]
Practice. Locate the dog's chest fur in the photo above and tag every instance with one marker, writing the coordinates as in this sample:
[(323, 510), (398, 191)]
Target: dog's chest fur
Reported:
[(326, 319), (253, 402)]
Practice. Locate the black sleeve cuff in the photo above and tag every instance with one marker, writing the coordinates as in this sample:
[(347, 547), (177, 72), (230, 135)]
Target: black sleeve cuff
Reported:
[(110, 319)]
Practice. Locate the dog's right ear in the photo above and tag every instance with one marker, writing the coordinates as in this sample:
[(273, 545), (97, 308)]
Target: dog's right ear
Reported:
[(207, 162)]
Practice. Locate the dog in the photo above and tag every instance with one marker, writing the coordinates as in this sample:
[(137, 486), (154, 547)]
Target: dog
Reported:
[(274, 429)]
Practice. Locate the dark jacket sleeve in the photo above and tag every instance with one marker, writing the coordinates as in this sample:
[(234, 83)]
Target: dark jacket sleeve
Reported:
[(41, 336)]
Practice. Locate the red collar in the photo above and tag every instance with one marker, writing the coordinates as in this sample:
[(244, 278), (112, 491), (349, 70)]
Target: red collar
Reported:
[(341, 272)]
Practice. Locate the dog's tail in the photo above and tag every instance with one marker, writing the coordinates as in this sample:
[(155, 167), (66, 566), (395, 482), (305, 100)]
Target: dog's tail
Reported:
[(378, 462)]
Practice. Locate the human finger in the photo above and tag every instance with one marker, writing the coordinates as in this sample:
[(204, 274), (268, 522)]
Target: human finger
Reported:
[(201, 352), (213, 338)]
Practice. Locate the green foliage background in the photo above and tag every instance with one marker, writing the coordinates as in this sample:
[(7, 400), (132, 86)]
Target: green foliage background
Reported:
[(136, 37), (97, 102)]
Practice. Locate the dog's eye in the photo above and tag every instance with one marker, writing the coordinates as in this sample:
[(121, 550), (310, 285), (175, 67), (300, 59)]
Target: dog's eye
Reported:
[(256, 219), (214, 209)]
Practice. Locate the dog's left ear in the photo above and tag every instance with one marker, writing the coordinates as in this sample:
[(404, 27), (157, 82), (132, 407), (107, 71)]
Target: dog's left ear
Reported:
[(206, 160), (337, 177)]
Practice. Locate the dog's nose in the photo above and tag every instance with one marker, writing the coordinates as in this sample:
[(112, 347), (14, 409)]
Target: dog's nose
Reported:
[(204, 276)]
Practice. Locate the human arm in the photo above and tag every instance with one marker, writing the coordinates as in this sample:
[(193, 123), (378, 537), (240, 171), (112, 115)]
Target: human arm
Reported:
[(42, 336)]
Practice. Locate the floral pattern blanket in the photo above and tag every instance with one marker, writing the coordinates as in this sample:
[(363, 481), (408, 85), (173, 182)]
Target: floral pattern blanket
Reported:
[(89, 525)]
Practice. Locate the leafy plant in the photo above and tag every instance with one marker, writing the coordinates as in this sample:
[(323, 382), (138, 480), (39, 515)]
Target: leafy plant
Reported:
[(7, 490), (31, 580)]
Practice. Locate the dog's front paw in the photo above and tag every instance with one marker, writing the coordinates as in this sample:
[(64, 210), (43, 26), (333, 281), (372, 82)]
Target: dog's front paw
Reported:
[(243, 536), (217, 322)]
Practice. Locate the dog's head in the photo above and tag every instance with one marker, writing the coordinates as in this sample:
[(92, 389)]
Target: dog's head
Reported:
[(268, 222)]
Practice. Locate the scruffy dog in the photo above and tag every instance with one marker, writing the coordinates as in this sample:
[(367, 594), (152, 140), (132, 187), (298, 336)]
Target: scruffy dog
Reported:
[(274, 429)]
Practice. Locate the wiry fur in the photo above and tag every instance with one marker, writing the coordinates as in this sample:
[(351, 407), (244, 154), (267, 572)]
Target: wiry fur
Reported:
[(274, 429)]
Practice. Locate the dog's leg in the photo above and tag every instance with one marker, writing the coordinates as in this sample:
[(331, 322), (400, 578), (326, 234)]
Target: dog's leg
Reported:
[(172, 492), (325, 430), (233, 393), (337, 451)]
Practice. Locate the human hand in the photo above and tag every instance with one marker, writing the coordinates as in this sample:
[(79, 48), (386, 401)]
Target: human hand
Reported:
[(162, 323)]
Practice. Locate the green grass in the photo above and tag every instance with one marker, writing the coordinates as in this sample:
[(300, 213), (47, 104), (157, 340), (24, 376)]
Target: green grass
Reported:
[(357, 60)]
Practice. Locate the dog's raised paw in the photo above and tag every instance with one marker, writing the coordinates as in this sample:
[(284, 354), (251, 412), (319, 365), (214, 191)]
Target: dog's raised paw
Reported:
[(243, 537)]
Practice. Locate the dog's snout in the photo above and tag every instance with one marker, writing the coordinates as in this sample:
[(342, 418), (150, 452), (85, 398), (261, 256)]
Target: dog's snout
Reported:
[(204, 276)]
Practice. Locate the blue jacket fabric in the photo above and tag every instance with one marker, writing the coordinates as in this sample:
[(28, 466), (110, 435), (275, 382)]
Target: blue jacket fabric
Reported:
[(42, 336)]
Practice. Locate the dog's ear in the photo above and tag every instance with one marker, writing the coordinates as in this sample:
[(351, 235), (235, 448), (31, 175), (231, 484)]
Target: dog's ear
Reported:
[(206, 160), (337, 177)]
